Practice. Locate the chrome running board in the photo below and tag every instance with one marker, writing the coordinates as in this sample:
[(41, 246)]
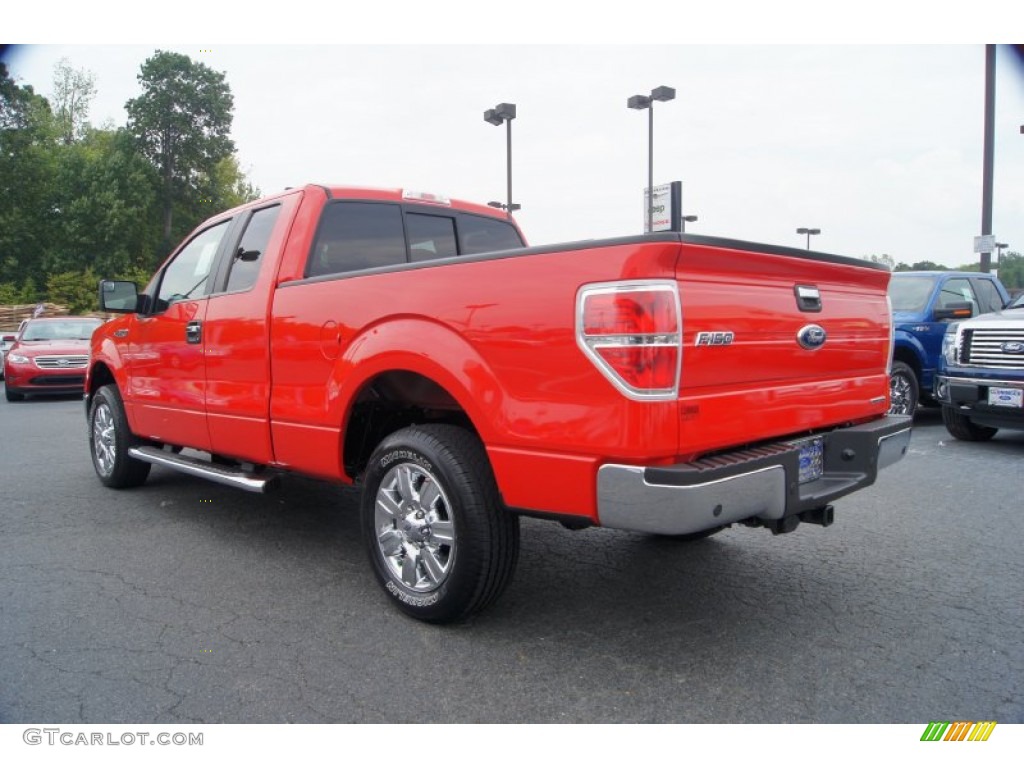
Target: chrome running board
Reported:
[(246, 481)]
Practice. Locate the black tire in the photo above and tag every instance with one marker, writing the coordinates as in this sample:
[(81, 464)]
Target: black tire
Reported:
[(109, 441), (13, 395), (904, 391), (440, 541), (962, 428)]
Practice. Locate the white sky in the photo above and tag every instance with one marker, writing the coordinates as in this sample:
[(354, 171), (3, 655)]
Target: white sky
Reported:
[(871, 135)]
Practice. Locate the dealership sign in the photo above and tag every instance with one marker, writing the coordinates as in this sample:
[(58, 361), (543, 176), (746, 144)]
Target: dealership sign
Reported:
[(666, 208)]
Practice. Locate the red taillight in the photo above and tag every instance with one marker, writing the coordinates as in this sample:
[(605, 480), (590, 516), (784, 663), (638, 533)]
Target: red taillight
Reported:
[(631, 331)]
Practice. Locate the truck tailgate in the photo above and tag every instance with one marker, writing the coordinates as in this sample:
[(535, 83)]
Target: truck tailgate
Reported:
[(779, 342)]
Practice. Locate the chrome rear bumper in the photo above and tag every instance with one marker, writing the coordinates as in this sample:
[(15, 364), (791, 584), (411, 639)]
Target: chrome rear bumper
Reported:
[(760, 483)]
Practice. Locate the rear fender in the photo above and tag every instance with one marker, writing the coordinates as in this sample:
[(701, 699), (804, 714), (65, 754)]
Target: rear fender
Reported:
[(427, 348), (908, 343)]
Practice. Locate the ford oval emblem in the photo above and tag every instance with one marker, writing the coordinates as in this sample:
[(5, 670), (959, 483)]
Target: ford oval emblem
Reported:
[(1013, 347), (811, 336)]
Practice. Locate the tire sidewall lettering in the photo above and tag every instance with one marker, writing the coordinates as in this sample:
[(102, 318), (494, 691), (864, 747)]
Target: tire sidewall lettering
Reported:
[(404, 454), (414, 599)]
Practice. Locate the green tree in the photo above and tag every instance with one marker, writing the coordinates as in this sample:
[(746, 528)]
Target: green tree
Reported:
[(73, 92), (183, 122), (78, 291), (20, 106), (8, 293), (885, 259), (223, 187), (28, 294), (78, 202), (138, 275), (1011, 270), (28, 171), (109, 209), (921, 266)]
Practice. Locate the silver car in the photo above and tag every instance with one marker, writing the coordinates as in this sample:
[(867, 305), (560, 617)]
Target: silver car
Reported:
[(6, 342)]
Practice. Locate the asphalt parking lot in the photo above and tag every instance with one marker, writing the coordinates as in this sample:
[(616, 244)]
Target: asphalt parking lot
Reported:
[(187, 602)]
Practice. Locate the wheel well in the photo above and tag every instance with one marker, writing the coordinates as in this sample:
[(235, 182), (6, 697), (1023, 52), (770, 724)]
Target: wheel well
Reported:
[(389, 402), (99, 376), (904, 355)]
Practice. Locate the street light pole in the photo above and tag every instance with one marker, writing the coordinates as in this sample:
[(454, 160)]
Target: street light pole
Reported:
[(999, 252), (508, 162), (505, 113), (808, 231), (988, 151), (650, 167), (683, 220), (988, 154), (661, 93)]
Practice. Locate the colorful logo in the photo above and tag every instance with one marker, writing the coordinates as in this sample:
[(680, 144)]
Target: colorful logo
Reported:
[(958, 731)]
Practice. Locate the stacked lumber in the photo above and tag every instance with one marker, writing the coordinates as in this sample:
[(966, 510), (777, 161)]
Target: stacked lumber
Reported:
[(11, 315)]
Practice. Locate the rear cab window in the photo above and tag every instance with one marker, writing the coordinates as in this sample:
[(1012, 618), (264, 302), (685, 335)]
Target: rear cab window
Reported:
[(430, 237), (482, 235), (359, 235), (353, 236)]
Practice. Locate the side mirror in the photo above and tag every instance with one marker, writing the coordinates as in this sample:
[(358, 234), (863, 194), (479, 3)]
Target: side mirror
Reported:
[(119, 296), (956, 310)]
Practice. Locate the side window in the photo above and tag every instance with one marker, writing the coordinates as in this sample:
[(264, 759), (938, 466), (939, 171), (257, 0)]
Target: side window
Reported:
[(355, 236), (957, 291), (988, 295), (246, 261), (481, 234), (430, 237), (187, 276)]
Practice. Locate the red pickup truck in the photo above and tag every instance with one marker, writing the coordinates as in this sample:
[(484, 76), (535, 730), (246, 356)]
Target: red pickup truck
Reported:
[(669, 383)]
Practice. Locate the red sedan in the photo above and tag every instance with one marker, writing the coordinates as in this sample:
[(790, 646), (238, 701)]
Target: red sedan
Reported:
[(49, 357)]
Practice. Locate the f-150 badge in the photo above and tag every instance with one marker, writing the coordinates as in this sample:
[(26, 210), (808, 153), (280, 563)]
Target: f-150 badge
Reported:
[(714, 338)]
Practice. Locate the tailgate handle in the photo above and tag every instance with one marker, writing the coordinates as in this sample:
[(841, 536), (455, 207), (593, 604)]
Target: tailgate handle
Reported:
[(808, 298), (194, 332)]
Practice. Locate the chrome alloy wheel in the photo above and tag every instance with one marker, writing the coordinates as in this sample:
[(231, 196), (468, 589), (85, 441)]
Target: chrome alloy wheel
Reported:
[(901, 395), (415, 531), (104, 436)]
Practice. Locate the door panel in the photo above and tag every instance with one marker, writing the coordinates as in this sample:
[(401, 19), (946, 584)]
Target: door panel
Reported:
[(168, 377), (237, 339), (167, 368)]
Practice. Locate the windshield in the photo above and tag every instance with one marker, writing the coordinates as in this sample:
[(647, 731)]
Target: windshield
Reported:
[(910, 293), (1017, 302), (80, 329)]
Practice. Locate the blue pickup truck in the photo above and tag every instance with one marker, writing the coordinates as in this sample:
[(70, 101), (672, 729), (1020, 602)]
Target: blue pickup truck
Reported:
[(923, 303)]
